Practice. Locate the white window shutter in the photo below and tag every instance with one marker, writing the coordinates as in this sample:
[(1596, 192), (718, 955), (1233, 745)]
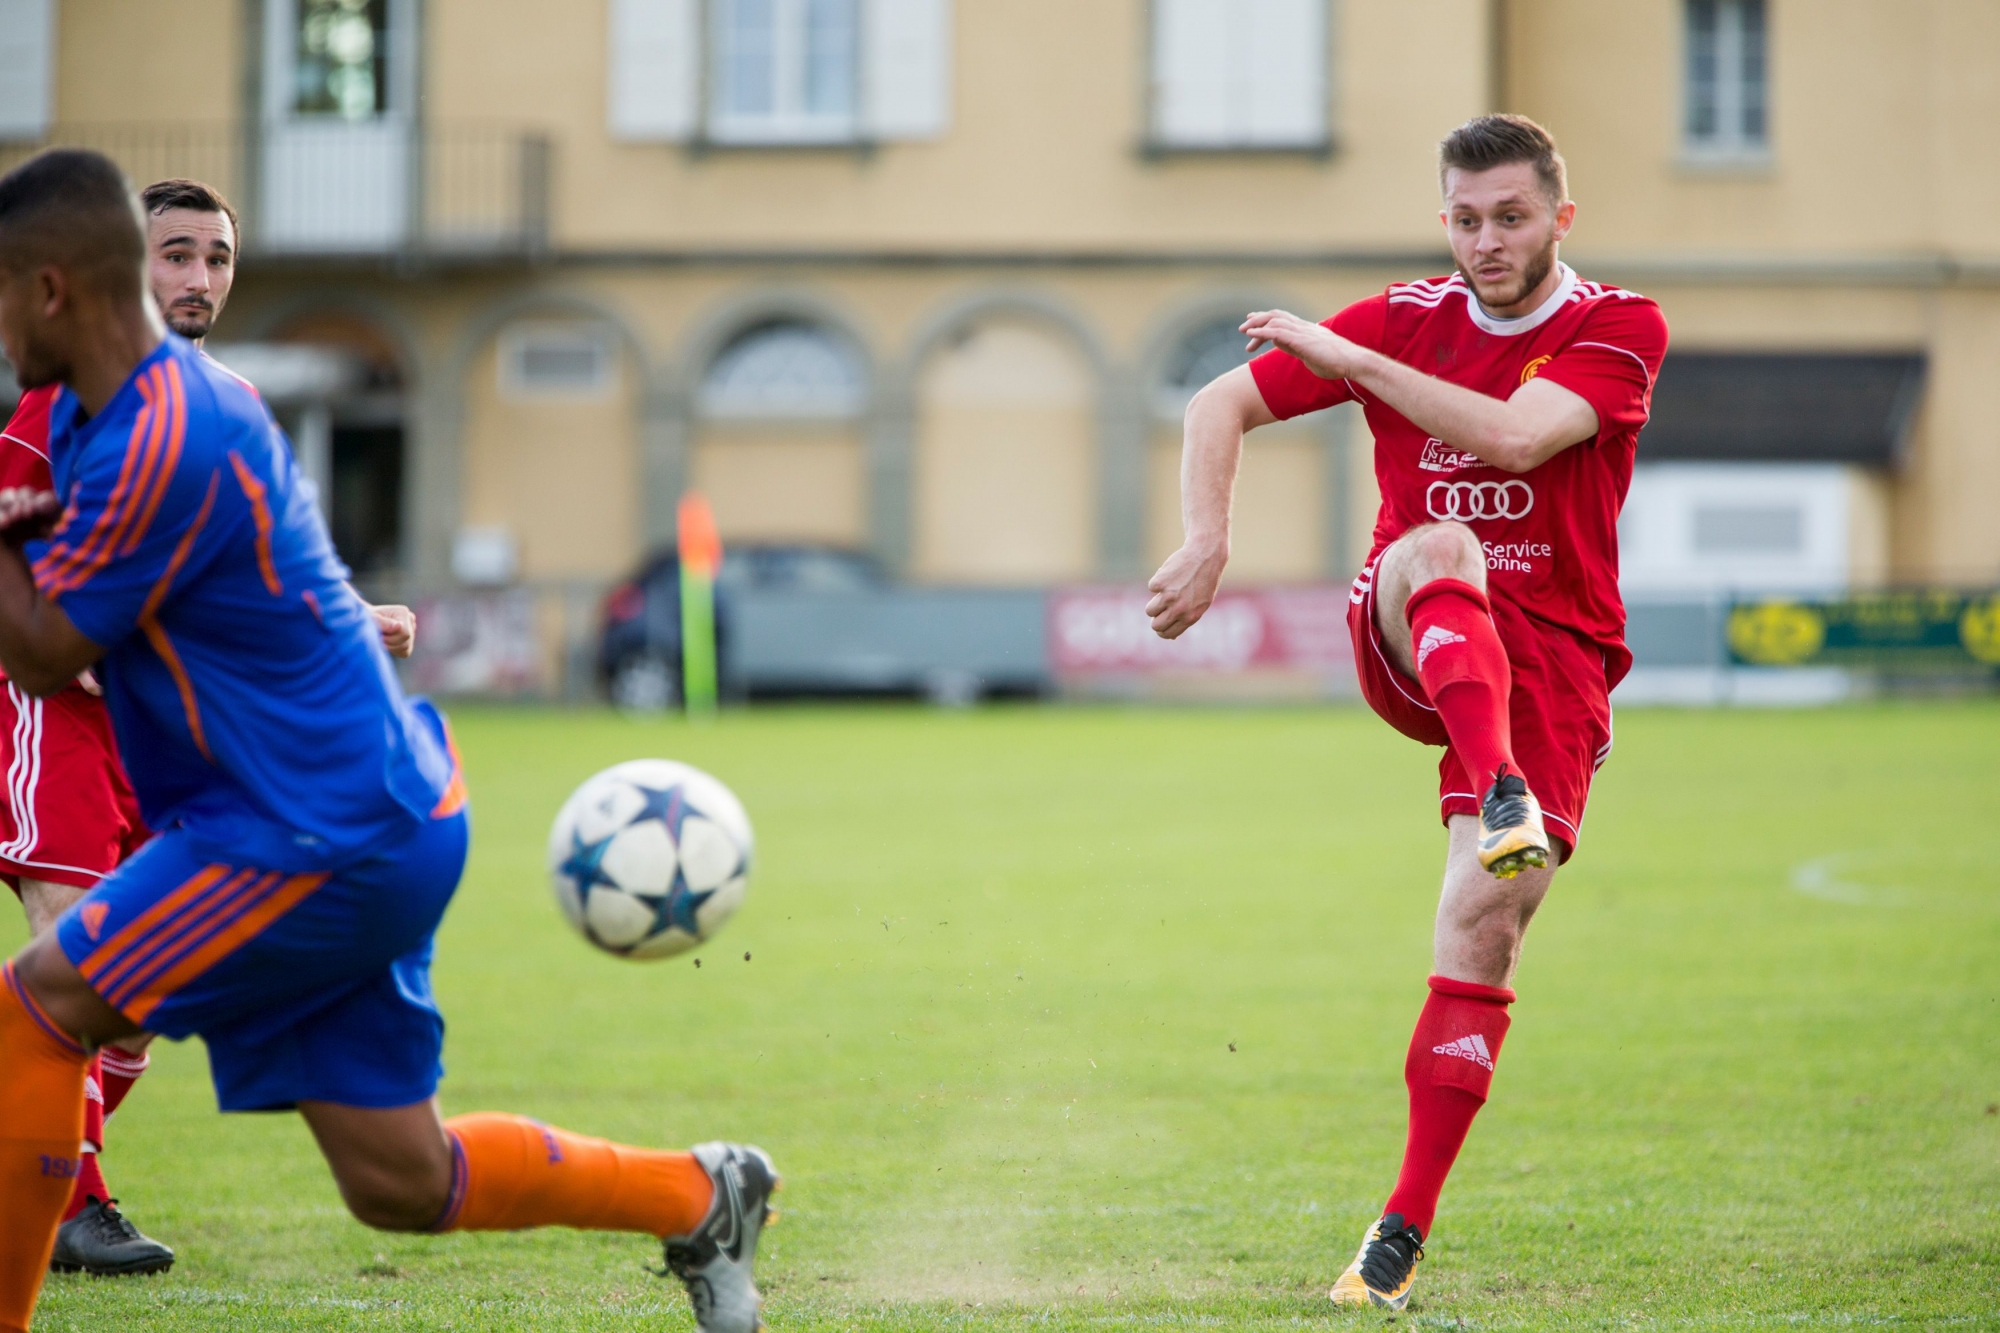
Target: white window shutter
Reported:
[(1192, 72), (1282, 98), (907, 60), (27, 67), (655, 69)]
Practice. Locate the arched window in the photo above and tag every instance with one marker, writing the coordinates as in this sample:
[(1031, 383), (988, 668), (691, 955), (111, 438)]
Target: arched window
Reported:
[(1212, 349), (785, 368)]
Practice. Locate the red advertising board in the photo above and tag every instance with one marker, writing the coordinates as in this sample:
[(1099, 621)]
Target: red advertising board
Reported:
[(1104, 630)]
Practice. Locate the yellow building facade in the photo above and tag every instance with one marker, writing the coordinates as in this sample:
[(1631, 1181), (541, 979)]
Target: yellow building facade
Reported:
[(935, 277)]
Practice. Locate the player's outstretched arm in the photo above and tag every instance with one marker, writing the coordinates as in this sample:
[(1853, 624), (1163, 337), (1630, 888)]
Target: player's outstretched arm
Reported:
[(40, 649), (1212, 445), (1514, 434)]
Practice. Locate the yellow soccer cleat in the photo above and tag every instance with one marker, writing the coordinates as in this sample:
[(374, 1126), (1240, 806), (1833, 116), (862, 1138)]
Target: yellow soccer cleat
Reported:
[(1511, 836), (1385, 1269)]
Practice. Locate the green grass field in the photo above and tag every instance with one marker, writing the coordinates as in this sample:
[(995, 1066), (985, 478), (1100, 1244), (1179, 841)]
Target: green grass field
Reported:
[(1072, 1018)]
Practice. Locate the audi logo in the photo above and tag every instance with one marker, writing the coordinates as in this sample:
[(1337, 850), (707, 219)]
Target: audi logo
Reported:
[(1468, 500)]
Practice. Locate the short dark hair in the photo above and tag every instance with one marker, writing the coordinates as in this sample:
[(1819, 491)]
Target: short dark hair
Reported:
[(73, 207), (180, 192), (1486, 142)]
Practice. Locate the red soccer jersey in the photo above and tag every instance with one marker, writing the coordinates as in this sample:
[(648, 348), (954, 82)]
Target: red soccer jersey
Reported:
[(1550, 534), (24, 444)]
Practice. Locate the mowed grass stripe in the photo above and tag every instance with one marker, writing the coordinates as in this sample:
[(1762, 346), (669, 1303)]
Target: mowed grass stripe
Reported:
[(997, 962)]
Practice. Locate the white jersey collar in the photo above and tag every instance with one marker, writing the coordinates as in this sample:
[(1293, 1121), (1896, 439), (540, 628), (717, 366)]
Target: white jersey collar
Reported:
[(1534, 319)]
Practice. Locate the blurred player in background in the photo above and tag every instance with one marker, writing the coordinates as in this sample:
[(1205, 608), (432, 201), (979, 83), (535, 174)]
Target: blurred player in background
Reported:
[(1505, 401), (311, 822), (67, 814)]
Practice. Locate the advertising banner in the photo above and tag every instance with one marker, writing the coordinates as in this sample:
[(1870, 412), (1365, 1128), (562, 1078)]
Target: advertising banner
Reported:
[(1104, 630), (1931, 630), (481, 643)]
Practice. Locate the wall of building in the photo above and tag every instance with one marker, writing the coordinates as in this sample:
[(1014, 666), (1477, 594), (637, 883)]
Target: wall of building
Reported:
[(1018, 285)]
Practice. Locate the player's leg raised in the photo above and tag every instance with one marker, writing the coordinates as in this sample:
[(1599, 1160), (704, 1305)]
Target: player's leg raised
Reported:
[(1436, 624)]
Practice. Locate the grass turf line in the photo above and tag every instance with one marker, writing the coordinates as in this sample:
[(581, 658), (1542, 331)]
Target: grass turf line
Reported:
[(997, 963)]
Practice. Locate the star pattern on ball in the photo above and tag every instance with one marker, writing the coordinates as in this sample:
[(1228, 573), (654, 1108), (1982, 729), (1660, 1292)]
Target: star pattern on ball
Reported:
[(664, 804), (679, 907), (585, 863)]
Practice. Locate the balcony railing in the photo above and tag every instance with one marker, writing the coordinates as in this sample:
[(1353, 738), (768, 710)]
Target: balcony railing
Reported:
[(336, 189)]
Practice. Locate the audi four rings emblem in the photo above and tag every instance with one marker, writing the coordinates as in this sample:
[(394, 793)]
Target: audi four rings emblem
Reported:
[(1467, 500)]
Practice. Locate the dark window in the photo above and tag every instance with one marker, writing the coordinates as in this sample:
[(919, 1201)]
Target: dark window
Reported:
[(368, 496), (341, 67)]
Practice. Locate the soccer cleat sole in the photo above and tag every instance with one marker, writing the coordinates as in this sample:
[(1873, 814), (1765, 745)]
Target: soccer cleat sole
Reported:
[(1509, 864), (1507, 853), (133, 1268), (1355, 1294)]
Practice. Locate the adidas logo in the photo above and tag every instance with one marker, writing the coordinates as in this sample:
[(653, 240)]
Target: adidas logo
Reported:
[(1436, 637), (1471, 1048)]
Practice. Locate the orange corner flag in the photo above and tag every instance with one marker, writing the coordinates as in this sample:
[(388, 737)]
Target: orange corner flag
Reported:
[(700, 543)]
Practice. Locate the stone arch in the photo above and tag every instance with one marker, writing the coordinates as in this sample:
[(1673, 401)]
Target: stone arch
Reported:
[(657, 440), (1189, 317), (721, 324), (1334, 491), (1115, 470), (780, 477)]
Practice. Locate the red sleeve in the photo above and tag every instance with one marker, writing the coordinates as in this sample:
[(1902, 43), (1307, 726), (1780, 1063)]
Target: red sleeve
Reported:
[(24, 441), (1290, 390), (1613, 361)]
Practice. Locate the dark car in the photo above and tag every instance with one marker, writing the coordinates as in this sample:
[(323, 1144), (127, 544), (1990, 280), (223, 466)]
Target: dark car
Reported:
[(639, 656)]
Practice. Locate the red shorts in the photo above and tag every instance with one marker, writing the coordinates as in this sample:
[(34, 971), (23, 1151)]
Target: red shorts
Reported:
[(68, 814), (1559, 710)]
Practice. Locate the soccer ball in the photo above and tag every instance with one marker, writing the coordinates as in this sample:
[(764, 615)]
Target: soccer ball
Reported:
[(649, 858)]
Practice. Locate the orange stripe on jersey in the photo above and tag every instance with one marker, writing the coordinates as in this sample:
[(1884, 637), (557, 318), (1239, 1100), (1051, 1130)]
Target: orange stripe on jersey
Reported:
[(164, 646), (156, 634), (169, 459), (223, 943), (193, 918), (150, 477), (455, 793), (60, 569), (106, 954), (260, 513), (181, 551)]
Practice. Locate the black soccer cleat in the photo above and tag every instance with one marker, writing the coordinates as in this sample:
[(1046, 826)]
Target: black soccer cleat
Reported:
[(1385, 1269), (102, 1241), (1511, 836), (714, 1260)]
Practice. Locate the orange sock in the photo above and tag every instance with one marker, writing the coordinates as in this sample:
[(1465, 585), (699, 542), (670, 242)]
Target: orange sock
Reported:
[(41, 1134), (510, 1172)]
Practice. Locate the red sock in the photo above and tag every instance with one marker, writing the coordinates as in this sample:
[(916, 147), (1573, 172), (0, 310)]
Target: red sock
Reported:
[(121, 1071), (90, 1176), (1464, 670), (1449, 1069)]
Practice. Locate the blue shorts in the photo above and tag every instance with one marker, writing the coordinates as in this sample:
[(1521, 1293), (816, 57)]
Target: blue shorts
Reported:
[(305, 987)]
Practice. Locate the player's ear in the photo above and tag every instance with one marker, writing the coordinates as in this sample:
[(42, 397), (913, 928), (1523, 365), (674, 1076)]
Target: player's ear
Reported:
[(1565, 218), (51, 287)]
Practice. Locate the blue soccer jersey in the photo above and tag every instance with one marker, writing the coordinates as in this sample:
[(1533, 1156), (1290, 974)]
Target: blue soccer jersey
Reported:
[(247, 683)]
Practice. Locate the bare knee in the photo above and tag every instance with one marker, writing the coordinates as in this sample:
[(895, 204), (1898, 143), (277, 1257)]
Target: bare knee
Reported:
[(1481, 920), (393, 1166), (65, 996), (1446, 551), (394, 1205)]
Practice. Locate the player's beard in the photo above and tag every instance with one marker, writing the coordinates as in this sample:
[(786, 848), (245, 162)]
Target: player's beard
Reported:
[(190, 320), (1533, 273)]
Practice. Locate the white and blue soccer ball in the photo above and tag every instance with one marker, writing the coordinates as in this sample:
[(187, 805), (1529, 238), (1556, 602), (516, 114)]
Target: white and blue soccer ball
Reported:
[(650, 858)]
